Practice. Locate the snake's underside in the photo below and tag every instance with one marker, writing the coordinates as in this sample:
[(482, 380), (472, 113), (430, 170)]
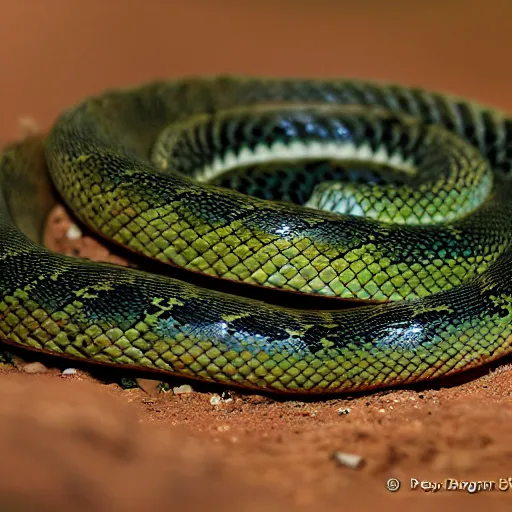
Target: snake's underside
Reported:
[(396, 198)]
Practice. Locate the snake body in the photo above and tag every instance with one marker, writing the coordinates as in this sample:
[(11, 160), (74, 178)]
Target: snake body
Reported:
[(426, 240)]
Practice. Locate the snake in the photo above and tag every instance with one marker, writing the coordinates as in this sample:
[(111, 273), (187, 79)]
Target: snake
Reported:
[(386, 209)]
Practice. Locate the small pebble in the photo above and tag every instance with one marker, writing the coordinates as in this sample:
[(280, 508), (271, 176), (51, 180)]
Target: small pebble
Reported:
[(182, 390), (73, 232), (69, 372), (35, 367), (215, 400), (224, 399), (349, 460), (344, 410), (150, 386)]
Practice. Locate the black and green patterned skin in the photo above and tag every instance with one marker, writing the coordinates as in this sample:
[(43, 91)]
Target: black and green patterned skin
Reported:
[(441, 292)]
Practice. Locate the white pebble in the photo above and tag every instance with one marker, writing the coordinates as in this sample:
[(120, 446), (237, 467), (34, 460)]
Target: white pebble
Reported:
[(349, 460), (69, 371), (215, 400), (182, 390), (73, 232)]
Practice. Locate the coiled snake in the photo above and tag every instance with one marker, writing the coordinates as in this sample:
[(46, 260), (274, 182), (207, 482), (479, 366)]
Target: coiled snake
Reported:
[(404, 201)]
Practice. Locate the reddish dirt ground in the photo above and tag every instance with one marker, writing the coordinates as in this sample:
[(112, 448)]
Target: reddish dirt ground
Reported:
[(80, 442)]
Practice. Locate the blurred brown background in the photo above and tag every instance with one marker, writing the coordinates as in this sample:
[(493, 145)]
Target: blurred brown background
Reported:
[(55, 52)]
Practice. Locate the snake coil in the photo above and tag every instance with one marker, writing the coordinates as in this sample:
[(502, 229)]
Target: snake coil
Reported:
[(404, 201)]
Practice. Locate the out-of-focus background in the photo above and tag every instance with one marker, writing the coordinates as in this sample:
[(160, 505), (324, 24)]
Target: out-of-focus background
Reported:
[(55, 52)]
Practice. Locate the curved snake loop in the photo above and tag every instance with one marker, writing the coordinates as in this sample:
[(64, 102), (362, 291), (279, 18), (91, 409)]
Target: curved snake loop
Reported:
[(403, 197)]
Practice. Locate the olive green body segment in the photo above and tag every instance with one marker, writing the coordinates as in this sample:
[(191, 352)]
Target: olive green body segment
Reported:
[(434, 248)]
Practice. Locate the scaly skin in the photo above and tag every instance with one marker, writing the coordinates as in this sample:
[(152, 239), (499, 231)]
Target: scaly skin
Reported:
[(446, 287)]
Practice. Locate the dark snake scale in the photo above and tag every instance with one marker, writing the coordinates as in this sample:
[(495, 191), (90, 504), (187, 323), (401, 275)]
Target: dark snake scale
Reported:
[(402, 204)]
